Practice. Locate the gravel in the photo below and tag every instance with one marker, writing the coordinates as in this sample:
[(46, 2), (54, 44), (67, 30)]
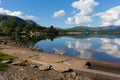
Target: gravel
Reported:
[(29, 73)]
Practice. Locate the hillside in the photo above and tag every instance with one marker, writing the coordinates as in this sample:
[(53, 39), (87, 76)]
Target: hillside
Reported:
[(84, 28), (20, 22), (11, 25)]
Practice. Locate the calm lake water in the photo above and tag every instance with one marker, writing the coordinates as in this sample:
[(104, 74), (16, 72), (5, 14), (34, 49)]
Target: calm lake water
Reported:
[(104, 48)]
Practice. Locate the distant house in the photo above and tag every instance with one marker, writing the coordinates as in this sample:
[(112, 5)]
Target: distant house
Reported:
[(73, 32)]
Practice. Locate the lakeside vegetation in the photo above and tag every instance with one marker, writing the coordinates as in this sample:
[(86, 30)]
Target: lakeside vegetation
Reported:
[(3, 57), (11, 25)]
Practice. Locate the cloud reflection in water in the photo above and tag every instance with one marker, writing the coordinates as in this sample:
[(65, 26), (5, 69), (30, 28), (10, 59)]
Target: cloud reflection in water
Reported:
[(110, 47), (84, 48), (87, 49)]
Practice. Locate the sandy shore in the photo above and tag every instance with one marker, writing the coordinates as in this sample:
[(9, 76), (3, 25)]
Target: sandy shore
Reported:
[(61, 63)]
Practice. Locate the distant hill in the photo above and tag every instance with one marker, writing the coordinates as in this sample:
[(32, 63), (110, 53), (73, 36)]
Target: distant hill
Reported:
[(20, 22), (84, 28), (111, 27)]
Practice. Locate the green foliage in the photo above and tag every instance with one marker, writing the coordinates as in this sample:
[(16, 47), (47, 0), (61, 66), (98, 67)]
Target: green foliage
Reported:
[(18, 29), (4, 56), (3, 66), (12, 25), (51, 31)]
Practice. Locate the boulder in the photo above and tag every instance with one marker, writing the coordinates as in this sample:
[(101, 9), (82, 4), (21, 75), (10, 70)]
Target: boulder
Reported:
[(88, 65), (19, 62), (61, 69), (33, 65), (74, 74), (44, 67)]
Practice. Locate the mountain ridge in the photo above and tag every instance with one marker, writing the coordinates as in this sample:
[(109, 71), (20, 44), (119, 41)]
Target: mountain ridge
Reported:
[(20, 21)]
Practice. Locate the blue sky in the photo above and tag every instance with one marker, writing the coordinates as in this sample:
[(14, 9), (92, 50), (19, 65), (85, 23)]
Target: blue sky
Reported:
[(65, 13)]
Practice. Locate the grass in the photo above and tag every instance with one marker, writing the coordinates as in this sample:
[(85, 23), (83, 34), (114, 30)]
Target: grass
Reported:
[(3, 66), (3, 57)]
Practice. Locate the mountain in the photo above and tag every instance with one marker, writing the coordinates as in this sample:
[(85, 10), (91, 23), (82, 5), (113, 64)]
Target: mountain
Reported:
[(30, 22), (84, 28), (20, 22), (111, 27)]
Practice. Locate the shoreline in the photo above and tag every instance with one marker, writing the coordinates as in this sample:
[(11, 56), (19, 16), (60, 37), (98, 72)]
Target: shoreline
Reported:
[(60, 62)]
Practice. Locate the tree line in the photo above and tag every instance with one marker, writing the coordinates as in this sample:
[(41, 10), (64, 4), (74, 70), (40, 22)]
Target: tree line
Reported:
[(11, 27)]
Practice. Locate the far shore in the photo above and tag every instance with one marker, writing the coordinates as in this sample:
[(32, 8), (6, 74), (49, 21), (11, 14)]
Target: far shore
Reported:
[(60, 62)]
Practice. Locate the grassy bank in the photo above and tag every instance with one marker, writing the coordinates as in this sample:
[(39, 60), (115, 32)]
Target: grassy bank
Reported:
[(4, 57)]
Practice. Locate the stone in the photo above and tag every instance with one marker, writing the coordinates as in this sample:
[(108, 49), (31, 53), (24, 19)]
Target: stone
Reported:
[(22, 69), (7, 61), (35, 65), (45, 67), (74, 74), (61, 69), (18, 62), (88, 65)]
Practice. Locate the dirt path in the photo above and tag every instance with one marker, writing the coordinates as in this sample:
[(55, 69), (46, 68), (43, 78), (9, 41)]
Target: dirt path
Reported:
[(58, 62)]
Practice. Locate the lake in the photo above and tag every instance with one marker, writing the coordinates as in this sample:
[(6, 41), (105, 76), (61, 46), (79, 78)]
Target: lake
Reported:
[(103, 48)]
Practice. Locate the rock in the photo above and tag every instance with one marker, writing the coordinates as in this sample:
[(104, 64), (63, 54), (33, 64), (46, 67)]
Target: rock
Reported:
[(74, 74), (22, 69), (39, 49), (61, 69), (45, 67), (7, 61), (19, 62), (35, 65), (33, 48), (88, 65)]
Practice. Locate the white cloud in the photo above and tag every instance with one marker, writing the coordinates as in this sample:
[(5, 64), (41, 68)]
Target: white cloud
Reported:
[(81, 19), (18, 14), (86, 6), (69, 20), (86, 11), (58, 14), (110, 17), (117, 22)]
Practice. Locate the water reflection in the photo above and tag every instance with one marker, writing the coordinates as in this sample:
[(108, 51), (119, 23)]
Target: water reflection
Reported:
[(84, 48), (69, 44), (110, 47), (105, 48), (59, 51)]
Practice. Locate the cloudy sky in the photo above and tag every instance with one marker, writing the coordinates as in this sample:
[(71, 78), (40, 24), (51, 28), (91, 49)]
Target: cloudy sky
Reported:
[(65, 13)]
